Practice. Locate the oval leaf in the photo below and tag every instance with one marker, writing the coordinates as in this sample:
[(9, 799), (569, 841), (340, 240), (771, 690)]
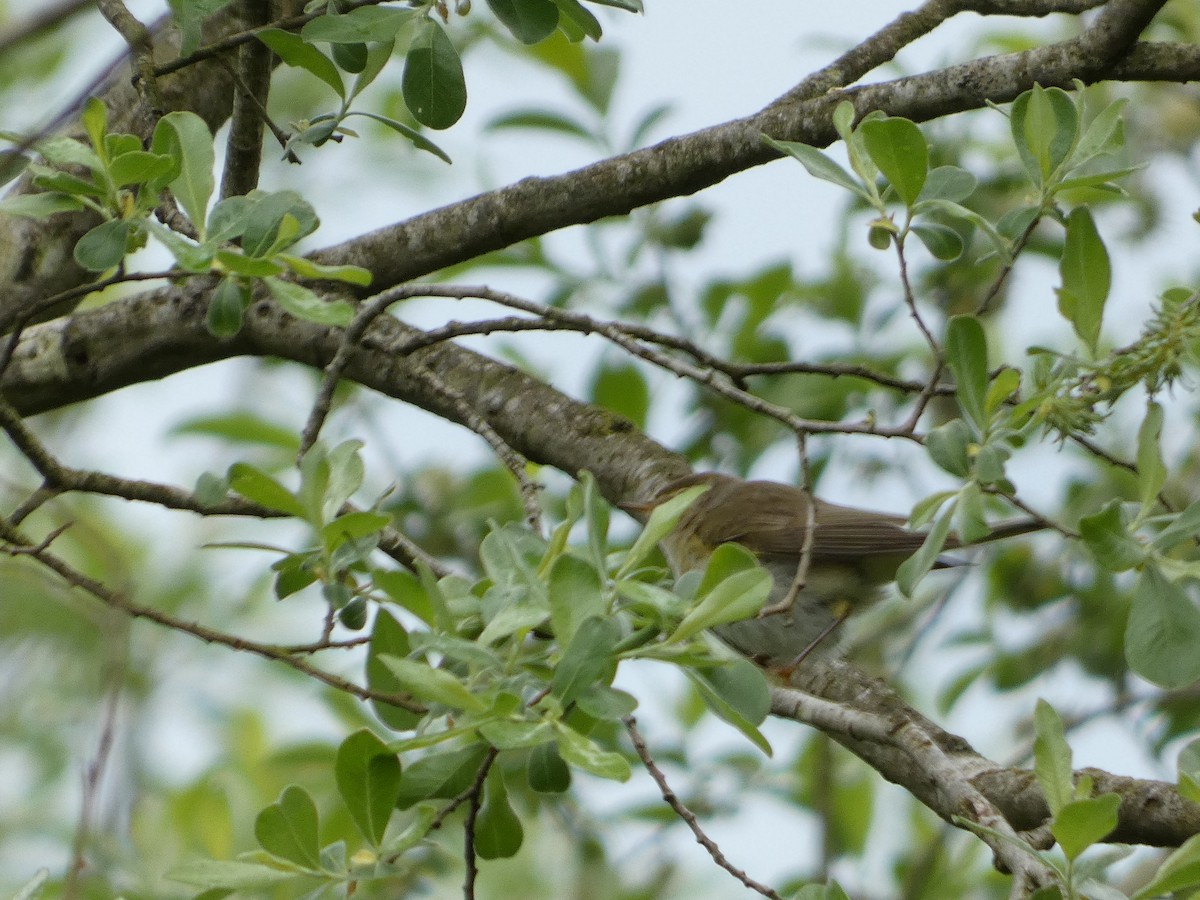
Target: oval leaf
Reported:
[(288, 828), (433, 83), (368, 778), (898, 148)]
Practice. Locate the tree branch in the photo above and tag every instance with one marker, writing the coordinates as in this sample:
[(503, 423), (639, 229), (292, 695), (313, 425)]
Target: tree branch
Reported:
[(940, 769)]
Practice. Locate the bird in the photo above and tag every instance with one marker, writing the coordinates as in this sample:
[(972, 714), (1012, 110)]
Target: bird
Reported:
[(852, 555)]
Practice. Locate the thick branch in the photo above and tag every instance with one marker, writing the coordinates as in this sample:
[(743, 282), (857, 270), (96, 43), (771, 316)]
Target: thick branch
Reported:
[(684, 165), (152, 335), (35, 256), (1151, 812)]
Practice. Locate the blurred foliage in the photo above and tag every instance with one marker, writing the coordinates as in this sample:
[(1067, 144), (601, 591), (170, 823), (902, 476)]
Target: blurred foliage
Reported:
[(182, 783)]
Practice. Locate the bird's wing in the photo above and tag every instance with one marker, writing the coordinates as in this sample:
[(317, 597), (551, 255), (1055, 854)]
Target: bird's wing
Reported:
[(771, 520)]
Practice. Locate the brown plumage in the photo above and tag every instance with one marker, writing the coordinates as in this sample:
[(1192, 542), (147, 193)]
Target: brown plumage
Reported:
[(854, 552)]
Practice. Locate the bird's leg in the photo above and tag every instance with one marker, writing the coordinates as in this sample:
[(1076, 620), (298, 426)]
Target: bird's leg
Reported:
[(843, 613)]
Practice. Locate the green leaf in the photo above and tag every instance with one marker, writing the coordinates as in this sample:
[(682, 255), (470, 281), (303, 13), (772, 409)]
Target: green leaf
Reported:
[(350, 58), (596, 513), (346, 474), (1188, 765), (184, 137), (1002, 244), (69, 152), (306, 268), (40, 206), (583, 753), (972, 522), (575, 596), (1052, 758), (217, 874), (1044, 125), (407, 591), (417, 139), (377, 58), (924, 510), (734, 587), (738, 693), (1082, 823), (240, 427), (104, 246), (139, 167), (898, 148), (1003, 386), (368, 778), (274, 221), (288, 828), (1178, 872), (966, 354), (366, 24), (434, 685), (433, 84), (354, 525), (843, 119), (913, 569), (1162, 638), (1183, 526), (1106, 535), (294, 51), (227, 307), (1151, 472), (440, 775), (603, 702), (498, 831), (949, 445), (1086, 277), (1104, 180), (586, 659), (304, 304), (1104, 134), (989, 463), (546, 771), (949, 183), (662, 521), (516, 734), (94, 119), (940, 240), (574, 12), (239, 263), (529, 21), (46, 179), (255, 484), (819, 165)]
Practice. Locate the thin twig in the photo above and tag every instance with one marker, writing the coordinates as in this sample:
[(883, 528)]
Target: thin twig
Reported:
[(91, 788), (16, 544), (621, 336), (19, 319), (689, 817), (513, 461), (474, 802), (141, 45), (60, 479), (279, 133), (291, 23), (333, 371), (41, 22)]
